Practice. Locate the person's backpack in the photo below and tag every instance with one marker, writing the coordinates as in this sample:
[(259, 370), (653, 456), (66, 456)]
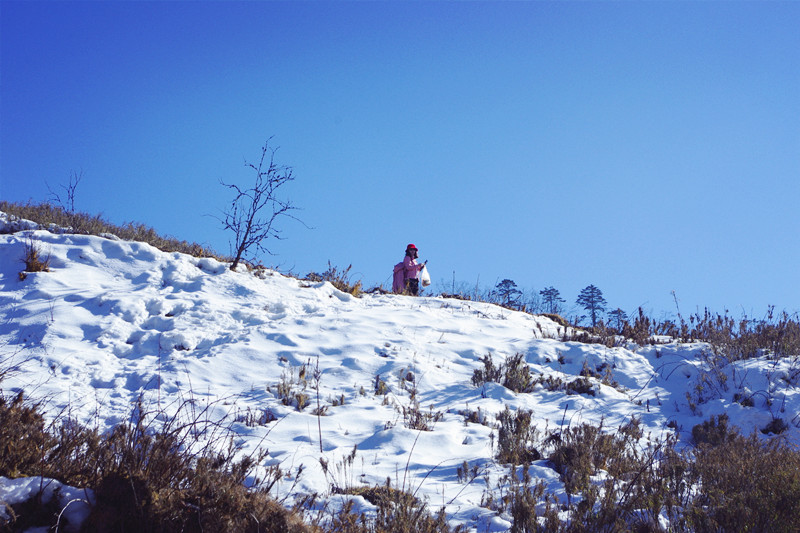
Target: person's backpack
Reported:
[(399, 281)]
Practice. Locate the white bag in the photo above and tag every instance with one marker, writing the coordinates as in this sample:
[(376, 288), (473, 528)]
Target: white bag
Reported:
[(424, 277)]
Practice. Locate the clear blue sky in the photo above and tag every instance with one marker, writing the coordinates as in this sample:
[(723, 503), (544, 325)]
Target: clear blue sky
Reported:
[(642, 147)]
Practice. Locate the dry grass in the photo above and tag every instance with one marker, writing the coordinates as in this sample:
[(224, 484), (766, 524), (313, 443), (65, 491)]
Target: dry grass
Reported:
[(746, 485), (513, 374), (144, 479), (339, 278), (149, 480), (47, 216), (35, 260), (616, 481), (398, 511)]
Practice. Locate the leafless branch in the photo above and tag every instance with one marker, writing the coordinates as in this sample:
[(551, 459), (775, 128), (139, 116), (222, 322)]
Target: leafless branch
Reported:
[(68, 202), (253, 212)]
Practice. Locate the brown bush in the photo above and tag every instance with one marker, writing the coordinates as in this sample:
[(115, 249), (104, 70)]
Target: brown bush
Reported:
[(398, 512), (746, 484), (144, 479), (514, 374), (516, 437), (24, 439), (34, 259), (714, 431)]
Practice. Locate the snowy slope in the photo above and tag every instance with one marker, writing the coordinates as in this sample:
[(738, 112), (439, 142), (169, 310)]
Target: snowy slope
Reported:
[(114, 320)]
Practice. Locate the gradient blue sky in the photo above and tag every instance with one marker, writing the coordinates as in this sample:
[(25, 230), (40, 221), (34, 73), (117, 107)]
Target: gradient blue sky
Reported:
[(644, 147)]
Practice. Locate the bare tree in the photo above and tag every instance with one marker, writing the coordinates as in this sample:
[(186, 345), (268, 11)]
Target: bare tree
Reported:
[(68, 202), (253, 212)]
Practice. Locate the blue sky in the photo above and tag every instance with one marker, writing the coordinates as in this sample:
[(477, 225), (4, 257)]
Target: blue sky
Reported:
[(644, 147)]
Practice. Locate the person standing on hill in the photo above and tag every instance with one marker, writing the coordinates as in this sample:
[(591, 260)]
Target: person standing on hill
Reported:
[(411, 270)]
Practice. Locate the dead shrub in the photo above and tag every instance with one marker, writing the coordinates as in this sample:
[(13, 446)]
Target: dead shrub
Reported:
[(581, 385), (558, 319), (580, 452), (776, 427), (34, 259), (339, 279), (153, 481), (745, 485), (520, 498), (37, 513), (488, 374), (639, 485), (144, 479), (776, 335), (516, 437), (24, 439), (415, 418), (514, 374), (291, 389), (398, 512), (256, 417), (714, 431)]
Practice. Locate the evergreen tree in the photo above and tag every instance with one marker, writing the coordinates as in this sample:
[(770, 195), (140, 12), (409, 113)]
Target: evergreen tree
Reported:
[(508, 294), (591, 299), (617, 319), (551, 300)]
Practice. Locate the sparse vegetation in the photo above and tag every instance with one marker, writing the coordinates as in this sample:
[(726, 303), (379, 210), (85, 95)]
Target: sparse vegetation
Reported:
[(776, 335), (514, 374), (417, 418), (745, 484), (154, 478), (257, 417), (398, 511), (144, 479), (380, 386), (339, 278), (517, 437), (48, 216), (35, 260), (615, 483), (291, 390)]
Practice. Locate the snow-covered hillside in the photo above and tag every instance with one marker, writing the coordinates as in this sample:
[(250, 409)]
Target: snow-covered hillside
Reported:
[(113, 321)]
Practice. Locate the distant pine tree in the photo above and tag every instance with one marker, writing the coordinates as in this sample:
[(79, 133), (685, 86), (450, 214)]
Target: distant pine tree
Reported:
[(508, 294), (617, 319), (551, 300), (591, 299)]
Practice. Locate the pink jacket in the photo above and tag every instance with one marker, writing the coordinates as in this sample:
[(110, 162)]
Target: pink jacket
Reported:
[(411, 268)]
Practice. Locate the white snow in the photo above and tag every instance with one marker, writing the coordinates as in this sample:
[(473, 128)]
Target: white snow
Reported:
[(116, 320), (73, 502)]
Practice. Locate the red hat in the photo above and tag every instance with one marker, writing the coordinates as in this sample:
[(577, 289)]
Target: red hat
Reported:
[(411, 247)]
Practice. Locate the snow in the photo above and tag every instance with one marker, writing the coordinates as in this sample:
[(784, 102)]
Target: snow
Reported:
[(114, 321), (73, 502)]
